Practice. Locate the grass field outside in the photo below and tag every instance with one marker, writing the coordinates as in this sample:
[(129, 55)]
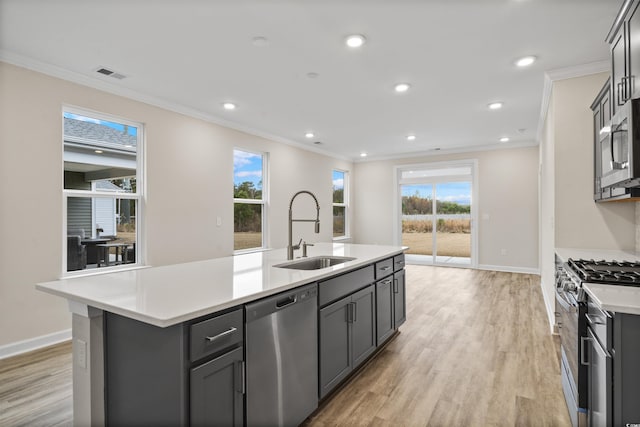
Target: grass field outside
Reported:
[(449, 244), (247, 240)]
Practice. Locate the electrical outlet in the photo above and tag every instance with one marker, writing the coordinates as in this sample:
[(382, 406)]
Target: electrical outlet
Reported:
[(503, 251), (81, 354), (218, 221)]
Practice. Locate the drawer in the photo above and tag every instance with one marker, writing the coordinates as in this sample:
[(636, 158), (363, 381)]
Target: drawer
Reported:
[(384, 268), (215, 334), (338, 287), (398, 262)]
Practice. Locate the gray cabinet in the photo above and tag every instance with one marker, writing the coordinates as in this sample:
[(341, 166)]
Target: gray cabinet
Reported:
[(601, 109), (217, 391), (384, 309), (190, 373), (399, 299), (347, 336)]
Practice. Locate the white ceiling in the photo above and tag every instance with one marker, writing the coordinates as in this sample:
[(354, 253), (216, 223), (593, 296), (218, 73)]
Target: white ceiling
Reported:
[(193, 55)]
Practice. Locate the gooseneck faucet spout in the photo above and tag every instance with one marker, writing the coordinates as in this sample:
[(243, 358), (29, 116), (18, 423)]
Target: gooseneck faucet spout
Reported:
[(291, 247)]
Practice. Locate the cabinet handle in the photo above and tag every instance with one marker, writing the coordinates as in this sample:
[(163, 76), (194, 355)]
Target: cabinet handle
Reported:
[(221, 334), (583, 351), (355, 312), (386, 282), (385, 268), (395, 286), (242, 376), (620, 97)]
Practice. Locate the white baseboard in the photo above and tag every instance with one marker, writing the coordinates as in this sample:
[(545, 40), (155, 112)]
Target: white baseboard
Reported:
[(550, 308), (509, 269), (31, 344)]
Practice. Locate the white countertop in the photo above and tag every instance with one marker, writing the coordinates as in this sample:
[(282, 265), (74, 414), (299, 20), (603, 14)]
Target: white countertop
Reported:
[(619, 299), (167, 295), (597, 254)]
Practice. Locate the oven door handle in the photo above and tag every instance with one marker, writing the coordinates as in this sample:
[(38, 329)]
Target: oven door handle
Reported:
[(583, 351), (563, 302)]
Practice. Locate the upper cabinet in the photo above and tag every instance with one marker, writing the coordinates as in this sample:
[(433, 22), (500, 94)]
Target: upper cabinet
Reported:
[(601, 108), (616, 162), (625, 54)]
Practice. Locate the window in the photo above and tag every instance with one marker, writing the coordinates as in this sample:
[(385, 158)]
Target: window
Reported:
[(249, 200), (340, 197), (102, 191)]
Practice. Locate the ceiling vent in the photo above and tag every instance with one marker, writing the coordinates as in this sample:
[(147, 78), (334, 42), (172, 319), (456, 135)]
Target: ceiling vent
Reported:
[(110, 73)]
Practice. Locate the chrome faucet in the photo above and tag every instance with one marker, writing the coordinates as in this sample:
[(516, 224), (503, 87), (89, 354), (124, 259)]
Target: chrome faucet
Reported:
[(291, 247)]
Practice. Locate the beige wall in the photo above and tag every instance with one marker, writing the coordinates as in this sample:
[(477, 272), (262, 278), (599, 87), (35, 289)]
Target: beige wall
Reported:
[(189, 184), (570, 217), (507, 192)]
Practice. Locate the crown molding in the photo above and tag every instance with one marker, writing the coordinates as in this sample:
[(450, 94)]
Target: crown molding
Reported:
[(563, 74), (102, 85)]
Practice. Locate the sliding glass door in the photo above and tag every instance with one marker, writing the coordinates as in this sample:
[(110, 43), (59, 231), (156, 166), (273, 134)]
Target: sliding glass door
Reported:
[(436, 215)]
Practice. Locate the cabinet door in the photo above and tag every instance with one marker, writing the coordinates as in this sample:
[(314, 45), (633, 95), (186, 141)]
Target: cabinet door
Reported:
[(399, 299), (363, 324), (599, 384), (217, 391), (618, 71), (597, 156), (633, 29), (384, 309), (335, 351)]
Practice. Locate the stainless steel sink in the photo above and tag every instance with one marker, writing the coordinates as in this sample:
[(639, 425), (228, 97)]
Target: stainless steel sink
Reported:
[(315, 263)]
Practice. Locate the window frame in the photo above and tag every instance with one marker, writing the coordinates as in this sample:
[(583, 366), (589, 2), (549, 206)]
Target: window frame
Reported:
[(264, 201), (138, 196), (344, 204)]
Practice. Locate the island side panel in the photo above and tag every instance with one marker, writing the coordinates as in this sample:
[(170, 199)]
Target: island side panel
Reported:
[(145, 371)]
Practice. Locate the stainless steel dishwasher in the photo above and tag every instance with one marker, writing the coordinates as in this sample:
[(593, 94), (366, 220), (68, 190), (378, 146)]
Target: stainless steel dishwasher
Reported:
[(282, 358)]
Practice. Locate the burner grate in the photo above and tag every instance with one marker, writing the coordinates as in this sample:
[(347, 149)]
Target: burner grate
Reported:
[(609, 272)]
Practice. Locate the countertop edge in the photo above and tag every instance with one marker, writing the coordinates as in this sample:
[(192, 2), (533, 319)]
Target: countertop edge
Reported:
[(598, 291), (192, 315)]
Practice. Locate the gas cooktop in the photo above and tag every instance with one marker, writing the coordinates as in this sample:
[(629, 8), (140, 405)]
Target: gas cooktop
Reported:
[(624, 273)]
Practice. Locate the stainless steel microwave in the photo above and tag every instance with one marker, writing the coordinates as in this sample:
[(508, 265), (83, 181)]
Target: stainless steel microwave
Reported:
[(620, 151)]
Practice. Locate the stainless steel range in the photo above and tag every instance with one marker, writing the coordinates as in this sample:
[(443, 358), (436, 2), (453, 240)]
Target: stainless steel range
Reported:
[(579, 332)]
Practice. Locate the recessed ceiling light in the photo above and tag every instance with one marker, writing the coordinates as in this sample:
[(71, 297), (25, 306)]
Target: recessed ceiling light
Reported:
[(98, 151), (495, 105), (260, 41), (363, 154), (402, 87), (504, 139), (411, 137), (355, 40), (526, 61), (312, 75), (309, 135), (229, 106)]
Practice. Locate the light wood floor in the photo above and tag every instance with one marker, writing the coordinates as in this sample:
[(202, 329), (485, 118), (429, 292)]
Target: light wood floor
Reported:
[(475, 351)]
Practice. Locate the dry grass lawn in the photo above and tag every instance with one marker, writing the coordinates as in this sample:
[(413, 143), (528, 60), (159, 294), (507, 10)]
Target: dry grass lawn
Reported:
[(247, 240), (449, 244)]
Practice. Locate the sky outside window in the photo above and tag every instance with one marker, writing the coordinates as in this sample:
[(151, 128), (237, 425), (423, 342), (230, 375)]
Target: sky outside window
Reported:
[(247, 167)]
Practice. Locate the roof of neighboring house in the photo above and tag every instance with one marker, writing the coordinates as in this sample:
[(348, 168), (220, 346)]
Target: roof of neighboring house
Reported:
[(105, 185), (96, 132)]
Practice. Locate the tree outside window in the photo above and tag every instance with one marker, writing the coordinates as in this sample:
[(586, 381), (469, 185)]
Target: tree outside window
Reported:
[(249, 200), (339, 204)]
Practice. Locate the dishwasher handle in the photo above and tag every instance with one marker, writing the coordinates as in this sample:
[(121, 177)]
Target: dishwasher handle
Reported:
[(303, 295), (291, 299)]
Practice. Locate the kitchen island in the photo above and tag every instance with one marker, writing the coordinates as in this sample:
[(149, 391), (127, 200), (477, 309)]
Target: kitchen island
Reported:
[(144, 319)]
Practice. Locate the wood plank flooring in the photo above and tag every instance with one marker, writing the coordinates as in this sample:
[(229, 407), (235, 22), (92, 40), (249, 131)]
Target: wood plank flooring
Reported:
[(475, 351)]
